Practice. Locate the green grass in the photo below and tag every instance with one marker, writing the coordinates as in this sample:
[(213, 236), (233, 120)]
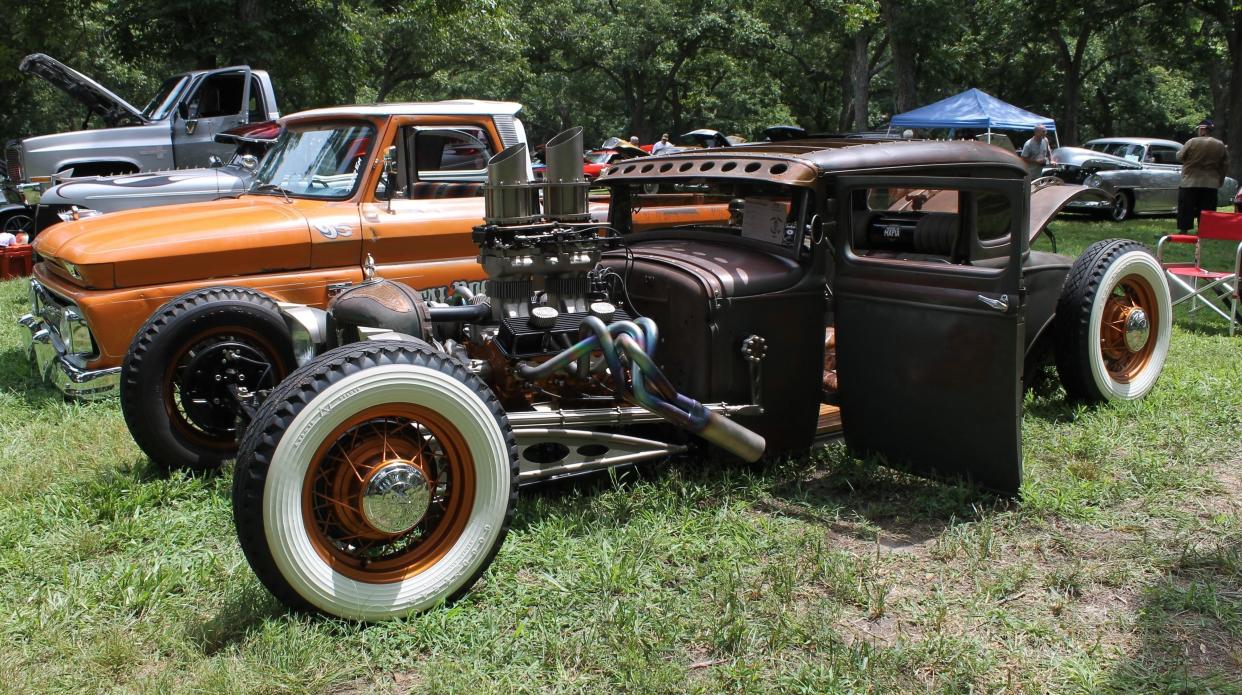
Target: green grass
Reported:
[(1118, 570)]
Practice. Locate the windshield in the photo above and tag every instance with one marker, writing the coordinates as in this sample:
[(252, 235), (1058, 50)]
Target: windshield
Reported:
[(167, 97), (755, 210), (320, 160), (599, 157)]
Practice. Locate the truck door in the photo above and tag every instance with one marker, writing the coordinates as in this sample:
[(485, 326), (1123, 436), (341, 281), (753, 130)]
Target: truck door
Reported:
[(418, 233), (219, 101), (928, 303)]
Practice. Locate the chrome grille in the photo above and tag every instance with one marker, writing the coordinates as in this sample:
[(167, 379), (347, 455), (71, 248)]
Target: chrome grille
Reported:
[(13, 161)]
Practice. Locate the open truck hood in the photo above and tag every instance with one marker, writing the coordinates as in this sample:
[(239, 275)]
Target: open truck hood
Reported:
[(114, 110)]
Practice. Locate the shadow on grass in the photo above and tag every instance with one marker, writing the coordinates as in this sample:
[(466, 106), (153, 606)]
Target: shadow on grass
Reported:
[(1189, 631), (17, 376), (241, 613)]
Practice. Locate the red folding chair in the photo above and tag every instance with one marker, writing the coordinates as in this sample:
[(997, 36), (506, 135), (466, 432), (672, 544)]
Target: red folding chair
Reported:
[(1216, 290)]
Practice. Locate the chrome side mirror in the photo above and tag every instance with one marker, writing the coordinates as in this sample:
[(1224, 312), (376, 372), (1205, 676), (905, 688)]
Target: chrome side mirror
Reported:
[(214, 161), (248, 162)]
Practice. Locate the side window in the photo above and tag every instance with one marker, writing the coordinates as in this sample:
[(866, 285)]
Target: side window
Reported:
[(1162, 155), (931, 224), (443, 152), (218, 95), (256, 109)]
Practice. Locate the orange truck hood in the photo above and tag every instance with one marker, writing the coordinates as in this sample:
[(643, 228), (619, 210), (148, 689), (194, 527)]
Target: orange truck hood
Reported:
[(173, 243)]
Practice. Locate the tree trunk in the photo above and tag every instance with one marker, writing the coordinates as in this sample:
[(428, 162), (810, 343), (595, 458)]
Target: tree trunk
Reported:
[(861, 79), (903, 53), (1233, 121), (844, 116)]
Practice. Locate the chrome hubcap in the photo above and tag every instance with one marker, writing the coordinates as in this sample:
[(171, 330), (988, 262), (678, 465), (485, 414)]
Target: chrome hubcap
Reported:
[(1138, 330), (396, 497)]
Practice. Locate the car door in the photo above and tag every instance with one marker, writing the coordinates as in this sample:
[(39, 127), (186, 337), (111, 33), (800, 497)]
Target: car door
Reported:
[(419, 234), (218, 102), (930, 338), (1165, 175)]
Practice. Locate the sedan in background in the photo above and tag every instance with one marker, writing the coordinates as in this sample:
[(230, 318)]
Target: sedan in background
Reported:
[(1137, 176)]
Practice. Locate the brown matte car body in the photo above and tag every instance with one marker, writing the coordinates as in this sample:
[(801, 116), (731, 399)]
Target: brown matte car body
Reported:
[(132, 262)]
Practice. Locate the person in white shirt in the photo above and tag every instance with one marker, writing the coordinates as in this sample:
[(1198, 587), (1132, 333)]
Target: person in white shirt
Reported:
[(662, 145), (1036, 152)]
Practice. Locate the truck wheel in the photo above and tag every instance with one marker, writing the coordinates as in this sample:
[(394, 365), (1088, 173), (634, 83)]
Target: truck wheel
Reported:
[(183, 368), (1113, 322), (377, 481)]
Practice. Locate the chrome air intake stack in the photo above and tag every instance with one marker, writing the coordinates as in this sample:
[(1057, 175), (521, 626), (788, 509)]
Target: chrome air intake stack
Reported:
[(509, 196), (565, 189)]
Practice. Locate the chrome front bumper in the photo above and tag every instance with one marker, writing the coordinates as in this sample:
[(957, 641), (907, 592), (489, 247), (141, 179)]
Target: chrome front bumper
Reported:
[(50, 360)]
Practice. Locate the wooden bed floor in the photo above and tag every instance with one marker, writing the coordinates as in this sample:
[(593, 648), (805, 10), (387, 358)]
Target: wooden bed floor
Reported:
[(829, 420)]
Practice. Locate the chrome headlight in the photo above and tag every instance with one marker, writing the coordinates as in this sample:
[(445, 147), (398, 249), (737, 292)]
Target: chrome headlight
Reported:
[(1093, 181), (75, 332)]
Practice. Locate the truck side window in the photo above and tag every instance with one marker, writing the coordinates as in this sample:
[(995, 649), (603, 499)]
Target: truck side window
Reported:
[(256, 109), (218, 95), (447, 151)]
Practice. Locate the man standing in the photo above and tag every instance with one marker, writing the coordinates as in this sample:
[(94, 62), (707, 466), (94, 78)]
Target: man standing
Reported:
[(1035, 152), (662, 145), (1204, 163)]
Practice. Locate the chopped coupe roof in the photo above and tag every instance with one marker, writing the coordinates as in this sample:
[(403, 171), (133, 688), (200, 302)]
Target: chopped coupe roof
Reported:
[(454, 107), (805, 158)]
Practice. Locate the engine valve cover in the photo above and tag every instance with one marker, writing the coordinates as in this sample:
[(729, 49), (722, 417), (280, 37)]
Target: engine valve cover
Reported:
[(519, 337)]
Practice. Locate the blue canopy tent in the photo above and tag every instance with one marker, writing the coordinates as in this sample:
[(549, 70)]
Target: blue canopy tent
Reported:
[(973, 108)]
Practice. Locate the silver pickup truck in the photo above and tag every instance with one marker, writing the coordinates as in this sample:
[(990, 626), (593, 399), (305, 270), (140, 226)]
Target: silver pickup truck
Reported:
[(176, 129)]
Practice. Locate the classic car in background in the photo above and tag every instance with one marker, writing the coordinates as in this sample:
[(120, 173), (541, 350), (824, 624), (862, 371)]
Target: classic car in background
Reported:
[(341, 186), (612, 150), (1138, 175), (176, 129), (100, 194)]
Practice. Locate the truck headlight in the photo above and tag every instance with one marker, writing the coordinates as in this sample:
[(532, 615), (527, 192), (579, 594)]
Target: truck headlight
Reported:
[(76, 334), (1093, 181)]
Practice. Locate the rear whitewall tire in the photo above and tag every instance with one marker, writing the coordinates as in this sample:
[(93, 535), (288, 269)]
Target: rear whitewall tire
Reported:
[(305, 572)]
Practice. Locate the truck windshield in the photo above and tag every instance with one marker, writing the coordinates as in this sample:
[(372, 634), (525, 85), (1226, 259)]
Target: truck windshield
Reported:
[(166, 98), (319, 160)]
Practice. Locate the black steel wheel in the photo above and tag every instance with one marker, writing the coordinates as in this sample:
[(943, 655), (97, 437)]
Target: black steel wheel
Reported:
[(190, 366), (1123, 206), (16, 222)]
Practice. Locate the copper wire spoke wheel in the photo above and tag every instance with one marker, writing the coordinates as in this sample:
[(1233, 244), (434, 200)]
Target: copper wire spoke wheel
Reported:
[(338, 475), (1130, 294), (197, 384)]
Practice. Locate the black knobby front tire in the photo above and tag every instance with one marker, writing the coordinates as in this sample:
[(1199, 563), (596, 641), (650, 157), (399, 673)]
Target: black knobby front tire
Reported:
[(176, 430), (278, 453), (1106, 284)]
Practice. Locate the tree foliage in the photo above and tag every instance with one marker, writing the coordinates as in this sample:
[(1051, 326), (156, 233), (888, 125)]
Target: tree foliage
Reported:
[(643, 67)]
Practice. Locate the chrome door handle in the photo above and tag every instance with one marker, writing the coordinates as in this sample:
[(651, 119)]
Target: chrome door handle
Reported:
[(999, 304)]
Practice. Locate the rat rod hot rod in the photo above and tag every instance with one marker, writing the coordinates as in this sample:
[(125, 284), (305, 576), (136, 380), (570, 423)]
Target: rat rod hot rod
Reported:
[(380, 477)]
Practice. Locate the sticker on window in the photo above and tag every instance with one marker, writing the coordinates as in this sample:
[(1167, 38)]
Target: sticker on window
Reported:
[(764, 220)]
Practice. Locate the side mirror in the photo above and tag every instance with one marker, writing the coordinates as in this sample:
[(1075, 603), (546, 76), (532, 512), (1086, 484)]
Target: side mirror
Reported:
[(214, 161)]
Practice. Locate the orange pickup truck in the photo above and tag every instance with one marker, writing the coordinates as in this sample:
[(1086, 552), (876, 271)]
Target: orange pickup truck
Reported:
[(396, 183)]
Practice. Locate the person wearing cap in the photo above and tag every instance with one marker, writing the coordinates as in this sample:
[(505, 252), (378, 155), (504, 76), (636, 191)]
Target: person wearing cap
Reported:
[(1204, 163), (1035, 152), (662, 145)]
